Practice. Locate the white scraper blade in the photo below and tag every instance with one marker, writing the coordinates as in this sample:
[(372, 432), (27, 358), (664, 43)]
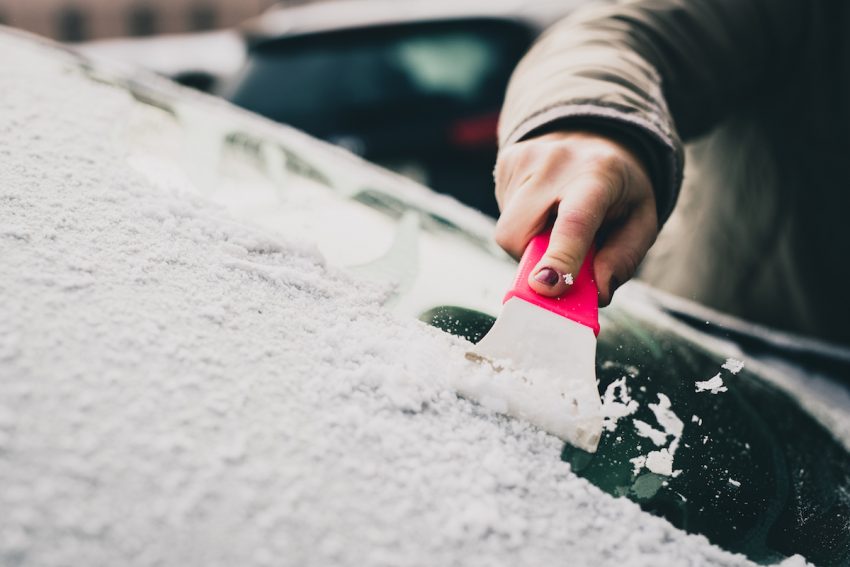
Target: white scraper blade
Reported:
[(554, 383)]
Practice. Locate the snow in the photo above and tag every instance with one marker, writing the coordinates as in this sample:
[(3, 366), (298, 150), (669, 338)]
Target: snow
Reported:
[(638, 463), (660, 461), (713, 385), (646, 430), (178, 387), (568, 279), (617, 404), (667, 419)]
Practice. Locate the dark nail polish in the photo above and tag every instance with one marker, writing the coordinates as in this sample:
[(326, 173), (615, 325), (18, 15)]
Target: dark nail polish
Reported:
[(547, 276)]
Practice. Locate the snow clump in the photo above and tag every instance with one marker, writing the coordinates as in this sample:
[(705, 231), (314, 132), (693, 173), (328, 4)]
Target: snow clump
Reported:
[(713, 385)]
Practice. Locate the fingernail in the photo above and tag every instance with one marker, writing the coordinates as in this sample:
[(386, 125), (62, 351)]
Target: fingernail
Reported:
[(547, 276)]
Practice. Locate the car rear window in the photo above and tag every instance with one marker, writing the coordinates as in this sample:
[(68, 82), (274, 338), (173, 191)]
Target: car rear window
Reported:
[(328, 81)]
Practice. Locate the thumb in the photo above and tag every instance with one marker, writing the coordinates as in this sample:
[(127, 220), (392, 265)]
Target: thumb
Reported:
[(579, 218)]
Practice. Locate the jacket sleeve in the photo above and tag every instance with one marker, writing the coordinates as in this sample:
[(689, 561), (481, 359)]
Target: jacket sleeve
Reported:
[(657, 71)]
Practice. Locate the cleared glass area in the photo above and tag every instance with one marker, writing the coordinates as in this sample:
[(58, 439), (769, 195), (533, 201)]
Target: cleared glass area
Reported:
[(751, 470)]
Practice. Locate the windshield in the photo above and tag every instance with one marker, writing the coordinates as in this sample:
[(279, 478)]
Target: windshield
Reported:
[(339, 81), (746, 466)]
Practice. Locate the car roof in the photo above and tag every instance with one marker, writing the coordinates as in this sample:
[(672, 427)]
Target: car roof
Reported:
[(338, 15)]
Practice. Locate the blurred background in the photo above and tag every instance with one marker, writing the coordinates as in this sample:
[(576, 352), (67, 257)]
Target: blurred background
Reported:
[(415, 86), (85, 20)]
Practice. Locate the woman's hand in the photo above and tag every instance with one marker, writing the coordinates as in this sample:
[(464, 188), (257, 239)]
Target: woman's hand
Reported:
[(595, 188)]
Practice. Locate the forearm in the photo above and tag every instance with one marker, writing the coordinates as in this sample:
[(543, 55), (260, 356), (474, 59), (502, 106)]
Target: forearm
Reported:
[(655, 70)]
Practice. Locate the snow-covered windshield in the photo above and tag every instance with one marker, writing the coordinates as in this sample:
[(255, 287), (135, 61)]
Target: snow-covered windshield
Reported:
[(191, 372)]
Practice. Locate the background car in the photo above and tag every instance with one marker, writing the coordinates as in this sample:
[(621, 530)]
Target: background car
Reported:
[(209, 353), (414, 86)]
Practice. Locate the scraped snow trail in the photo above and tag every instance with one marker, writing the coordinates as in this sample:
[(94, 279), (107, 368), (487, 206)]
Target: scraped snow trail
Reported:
[(177, 388)]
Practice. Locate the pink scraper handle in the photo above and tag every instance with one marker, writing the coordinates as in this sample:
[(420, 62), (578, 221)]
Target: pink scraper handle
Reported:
[(579, 303)]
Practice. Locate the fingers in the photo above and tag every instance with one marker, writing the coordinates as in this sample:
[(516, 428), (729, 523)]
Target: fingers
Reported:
[(585, 181), (523, 197), (623, 250), (523, 217), (580, 214)]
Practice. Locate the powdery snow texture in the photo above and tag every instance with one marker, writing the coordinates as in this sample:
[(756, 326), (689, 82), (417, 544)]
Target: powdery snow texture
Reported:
[(177, 388)]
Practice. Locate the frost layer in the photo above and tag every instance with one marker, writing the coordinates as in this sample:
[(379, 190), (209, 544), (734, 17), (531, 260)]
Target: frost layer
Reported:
[(177, 388)]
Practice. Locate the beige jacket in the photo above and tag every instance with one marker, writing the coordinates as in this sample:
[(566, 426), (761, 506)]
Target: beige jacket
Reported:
[(760, 92)]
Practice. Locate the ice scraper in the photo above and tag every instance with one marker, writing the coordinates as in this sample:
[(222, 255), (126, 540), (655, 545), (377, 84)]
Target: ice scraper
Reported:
[(551, 345)]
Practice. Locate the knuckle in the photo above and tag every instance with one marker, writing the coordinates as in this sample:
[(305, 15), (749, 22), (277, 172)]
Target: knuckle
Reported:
[(509, 153), (609, 165), (610, 156), (604, 154), (556, 157), (516, 162), (565, 259), (524, 156), (505, 192), (604, 266), (509, 160), (576, 221), (502, 170), (504, 237), (600, 187), (504, 161)]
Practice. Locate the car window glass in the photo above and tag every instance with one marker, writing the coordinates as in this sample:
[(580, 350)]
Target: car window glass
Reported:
[(455, 64), (341, 82)]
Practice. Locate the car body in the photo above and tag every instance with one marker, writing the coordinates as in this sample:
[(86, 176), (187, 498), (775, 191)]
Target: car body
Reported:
[(242, 393), (414, 86)]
